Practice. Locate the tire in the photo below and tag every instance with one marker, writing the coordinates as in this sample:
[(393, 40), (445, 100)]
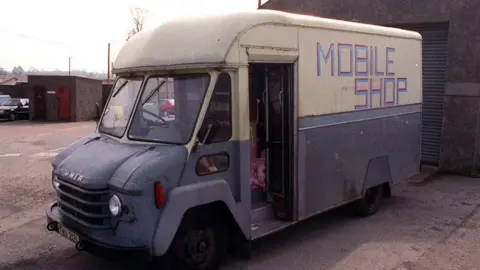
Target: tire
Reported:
[(370, 203), (12, 116), (198, 245)]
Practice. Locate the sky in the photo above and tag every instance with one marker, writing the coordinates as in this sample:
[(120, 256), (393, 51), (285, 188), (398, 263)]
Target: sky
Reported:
[(44, 34)]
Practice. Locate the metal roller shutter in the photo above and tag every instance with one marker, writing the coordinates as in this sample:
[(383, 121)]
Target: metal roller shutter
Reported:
[(435, 48)]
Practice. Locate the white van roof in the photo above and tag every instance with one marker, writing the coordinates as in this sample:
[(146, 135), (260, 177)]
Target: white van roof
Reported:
[(207, 40)]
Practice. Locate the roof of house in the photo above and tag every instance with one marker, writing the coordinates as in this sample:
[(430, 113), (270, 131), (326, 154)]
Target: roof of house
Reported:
[(8, 80), (208, 39), (22, 79), (12, 80)]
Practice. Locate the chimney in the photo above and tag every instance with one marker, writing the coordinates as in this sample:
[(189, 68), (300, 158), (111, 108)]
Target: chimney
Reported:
[(108, 63)]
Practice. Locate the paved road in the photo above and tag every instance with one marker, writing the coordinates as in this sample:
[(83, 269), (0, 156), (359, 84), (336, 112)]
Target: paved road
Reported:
[(430, 226)]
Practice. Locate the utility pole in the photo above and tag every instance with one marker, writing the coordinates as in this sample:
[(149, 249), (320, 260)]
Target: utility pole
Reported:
[(69, 66), (108, 64)]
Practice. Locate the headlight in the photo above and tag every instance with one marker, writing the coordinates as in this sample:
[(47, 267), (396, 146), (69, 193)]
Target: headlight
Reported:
[(115, 205), (55, 183)]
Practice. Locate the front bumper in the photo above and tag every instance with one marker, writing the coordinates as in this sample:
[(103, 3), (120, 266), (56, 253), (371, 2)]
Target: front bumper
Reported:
[(94, 246)]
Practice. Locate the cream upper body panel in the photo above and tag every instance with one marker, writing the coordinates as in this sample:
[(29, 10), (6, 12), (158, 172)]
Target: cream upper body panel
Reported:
[(345, 71), (342, 66), (213, 40)]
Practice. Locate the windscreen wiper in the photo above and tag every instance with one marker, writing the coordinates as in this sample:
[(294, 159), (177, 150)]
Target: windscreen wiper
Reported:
[(153, 92), (120, 88)]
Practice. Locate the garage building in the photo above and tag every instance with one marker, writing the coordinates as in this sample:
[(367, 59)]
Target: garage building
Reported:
[(451, 67), (64, 98)]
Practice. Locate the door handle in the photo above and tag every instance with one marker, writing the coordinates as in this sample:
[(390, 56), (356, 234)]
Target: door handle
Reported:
[(280, 98)]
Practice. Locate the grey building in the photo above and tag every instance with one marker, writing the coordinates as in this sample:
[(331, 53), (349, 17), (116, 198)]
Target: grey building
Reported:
[(64, 98), (451, 67)]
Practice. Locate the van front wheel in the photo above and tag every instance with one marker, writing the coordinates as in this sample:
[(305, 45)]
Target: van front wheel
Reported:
[(198, 245)]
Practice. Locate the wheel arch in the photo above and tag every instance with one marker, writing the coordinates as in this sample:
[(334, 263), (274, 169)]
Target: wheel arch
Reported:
[(211, 199), (378, 173)]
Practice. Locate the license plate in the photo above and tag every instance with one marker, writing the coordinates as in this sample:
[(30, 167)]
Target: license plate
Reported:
[(68, 234)]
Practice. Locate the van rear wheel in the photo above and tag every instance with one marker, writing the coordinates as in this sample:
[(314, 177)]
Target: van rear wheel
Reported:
[(198, 245), (370, 203)]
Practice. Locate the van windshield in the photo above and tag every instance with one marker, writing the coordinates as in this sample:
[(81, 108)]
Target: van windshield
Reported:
[(120, 106), (169, 108)]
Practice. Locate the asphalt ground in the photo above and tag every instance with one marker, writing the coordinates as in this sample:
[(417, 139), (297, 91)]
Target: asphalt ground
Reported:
[(432, 225)]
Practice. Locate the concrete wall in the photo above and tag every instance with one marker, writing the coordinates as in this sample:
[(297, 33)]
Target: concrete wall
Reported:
[(460, 150), (106, 89), (88, 93), (15, 91), (50, 83)]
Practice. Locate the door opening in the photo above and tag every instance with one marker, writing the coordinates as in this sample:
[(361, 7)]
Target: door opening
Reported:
[(39, 102), (271, 129), (63, 103)]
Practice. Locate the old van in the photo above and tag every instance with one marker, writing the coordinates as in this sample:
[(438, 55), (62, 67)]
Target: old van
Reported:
[(278, 117)]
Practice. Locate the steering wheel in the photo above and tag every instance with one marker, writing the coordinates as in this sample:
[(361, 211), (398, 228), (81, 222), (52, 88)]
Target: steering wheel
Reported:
[(164, 122)]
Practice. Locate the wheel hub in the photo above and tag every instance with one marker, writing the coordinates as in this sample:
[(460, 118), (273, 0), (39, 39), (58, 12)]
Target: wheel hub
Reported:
[(198, 246)]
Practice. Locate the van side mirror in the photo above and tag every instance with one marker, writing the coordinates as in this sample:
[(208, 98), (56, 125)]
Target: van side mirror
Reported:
[(208, 131)]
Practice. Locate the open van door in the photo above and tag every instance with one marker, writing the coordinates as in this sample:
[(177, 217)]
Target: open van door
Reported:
[(279, 137)]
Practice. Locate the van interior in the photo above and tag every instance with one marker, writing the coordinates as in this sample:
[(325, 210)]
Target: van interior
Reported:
[(271, 159)]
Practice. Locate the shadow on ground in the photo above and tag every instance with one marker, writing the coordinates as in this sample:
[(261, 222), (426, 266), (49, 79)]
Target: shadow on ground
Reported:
[(6, 121), (324, 224)]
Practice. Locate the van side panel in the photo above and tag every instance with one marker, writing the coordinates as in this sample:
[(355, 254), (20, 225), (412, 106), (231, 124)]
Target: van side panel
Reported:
[(340, 161), (359, 114)]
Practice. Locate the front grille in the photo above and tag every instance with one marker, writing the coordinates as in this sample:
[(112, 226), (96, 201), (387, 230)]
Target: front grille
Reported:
[(85, 206)]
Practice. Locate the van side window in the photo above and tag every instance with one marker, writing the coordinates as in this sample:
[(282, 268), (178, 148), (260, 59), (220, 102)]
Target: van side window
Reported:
[(211, 164), (220, 107)]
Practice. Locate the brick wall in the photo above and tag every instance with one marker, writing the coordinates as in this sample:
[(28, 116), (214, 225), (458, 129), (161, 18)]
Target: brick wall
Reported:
[(50, 83), (88, 94), (460, 150)]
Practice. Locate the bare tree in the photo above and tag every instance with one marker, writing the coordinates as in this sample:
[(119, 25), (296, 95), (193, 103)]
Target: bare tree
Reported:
[(3, 72), (138, 19), (18, 71)]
